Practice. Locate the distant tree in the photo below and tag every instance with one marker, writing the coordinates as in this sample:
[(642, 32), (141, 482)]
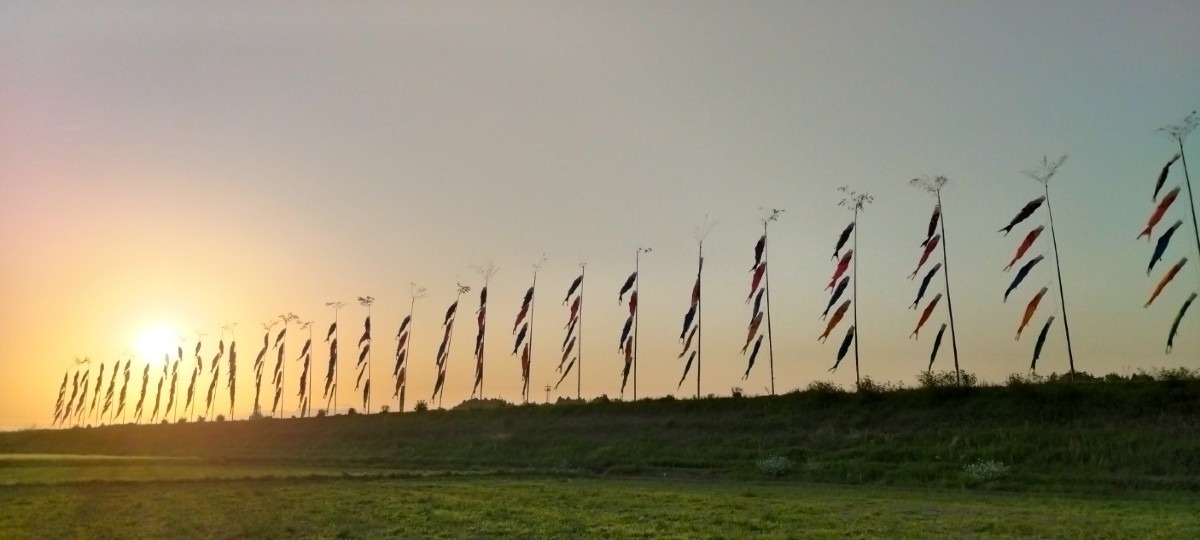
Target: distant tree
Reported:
[(351, 412), (220, 418), (421, 406), (384, 409)]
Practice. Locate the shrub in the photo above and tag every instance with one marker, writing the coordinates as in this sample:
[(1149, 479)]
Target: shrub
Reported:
[(824, 387), (775, 466), (985, 470), (736, 392), (352, 411), (946, 379), (322, 413), (870, 386), (421, 406)]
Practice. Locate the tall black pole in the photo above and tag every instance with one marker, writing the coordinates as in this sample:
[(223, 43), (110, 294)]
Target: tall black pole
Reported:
[(1058, 269), (699, 316), (532, 303), (854, 278), (579, 359), (335, 363), (637, 285), (1191, 198), (946, 277), (767, 291)]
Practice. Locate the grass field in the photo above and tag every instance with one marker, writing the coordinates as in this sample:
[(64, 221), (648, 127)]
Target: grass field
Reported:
[(1103, 459), (330, 506)]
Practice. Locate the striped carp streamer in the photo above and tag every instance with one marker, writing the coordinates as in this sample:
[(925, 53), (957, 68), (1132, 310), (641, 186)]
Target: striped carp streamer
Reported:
[(1025, 245), (1170, 275), (842, 238), (929, 247), (937, 344), (1030, 309), (925, 315), (1024, 214), (834, 320), (1162, 176), (1041, 342), (1021, 274), (1178, 318), (843, 348), (925, 285), (1161, 247)]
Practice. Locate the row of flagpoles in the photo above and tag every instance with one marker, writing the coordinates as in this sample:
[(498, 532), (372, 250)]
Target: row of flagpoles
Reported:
[(842, 287)]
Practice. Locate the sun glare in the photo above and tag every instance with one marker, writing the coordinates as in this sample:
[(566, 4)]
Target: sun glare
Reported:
[(156, 341)]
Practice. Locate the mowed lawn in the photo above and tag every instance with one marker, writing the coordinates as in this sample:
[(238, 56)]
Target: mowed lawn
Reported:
[(332, 506)]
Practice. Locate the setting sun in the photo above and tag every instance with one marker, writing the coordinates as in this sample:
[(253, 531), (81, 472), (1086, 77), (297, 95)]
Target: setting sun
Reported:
[(156, 341)]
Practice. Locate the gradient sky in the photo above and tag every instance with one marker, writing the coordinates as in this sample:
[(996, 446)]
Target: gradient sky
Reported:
[(198, 164)]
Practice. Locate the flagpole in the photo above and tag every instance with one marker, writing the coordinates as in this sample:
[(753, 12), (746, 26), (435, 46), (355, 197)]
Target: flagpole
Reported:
[(532, 304), (946, 278), (579, 359), (309, 372), (1179, 133), (854, 280), (336, 306), (1058, 270), (767, 290), (699, 315), (1043, 177), (637, 285)]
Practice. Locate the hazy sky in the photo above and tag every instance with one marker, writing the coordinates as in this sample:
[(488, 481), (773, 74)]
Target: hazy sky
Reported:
[(197, 164)]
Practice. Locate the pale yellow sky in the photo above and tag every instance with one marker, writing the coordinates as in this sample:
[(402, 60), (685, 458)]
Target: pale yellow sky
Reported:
[(198, 165)]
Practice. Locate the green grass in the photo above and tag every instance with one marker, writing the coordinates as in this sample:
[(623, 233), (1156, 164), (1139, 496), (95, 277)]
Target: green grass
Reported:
[(1094, 437), (565, 507)]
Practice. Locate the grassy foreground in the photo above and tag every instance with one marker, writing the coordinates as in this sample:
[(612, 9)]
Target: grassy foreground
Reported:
[(1094, 437), (490, 506)]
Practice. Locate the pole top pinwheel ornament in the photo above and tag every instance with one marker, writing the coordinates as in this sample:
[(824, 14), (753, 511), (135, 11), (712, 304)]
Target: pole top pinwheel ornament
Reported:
[(1178, 133), (1042, 174), (935, 235)]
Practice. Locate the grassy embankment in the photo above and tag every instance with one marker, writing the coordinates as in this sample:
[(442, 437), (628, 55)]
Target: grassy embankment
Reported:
[(1093, 437)]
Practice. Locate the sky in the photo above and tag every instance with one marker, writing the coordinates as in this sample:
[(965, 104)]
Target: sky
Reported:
[(188, 166)]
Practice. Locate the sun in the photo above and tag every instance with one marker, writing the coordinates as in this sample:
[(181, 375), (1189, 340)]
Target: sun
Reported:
[(156, 341)]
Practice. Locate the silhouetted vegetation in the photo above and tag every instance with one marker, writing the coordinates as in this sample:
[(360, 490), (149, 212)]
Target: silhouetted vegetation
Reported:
[(1097, 433)]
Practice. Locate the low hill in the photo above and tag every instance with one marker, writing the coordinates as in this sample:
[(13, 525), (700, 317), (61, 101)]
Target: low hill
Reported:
[(1120, 434)]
